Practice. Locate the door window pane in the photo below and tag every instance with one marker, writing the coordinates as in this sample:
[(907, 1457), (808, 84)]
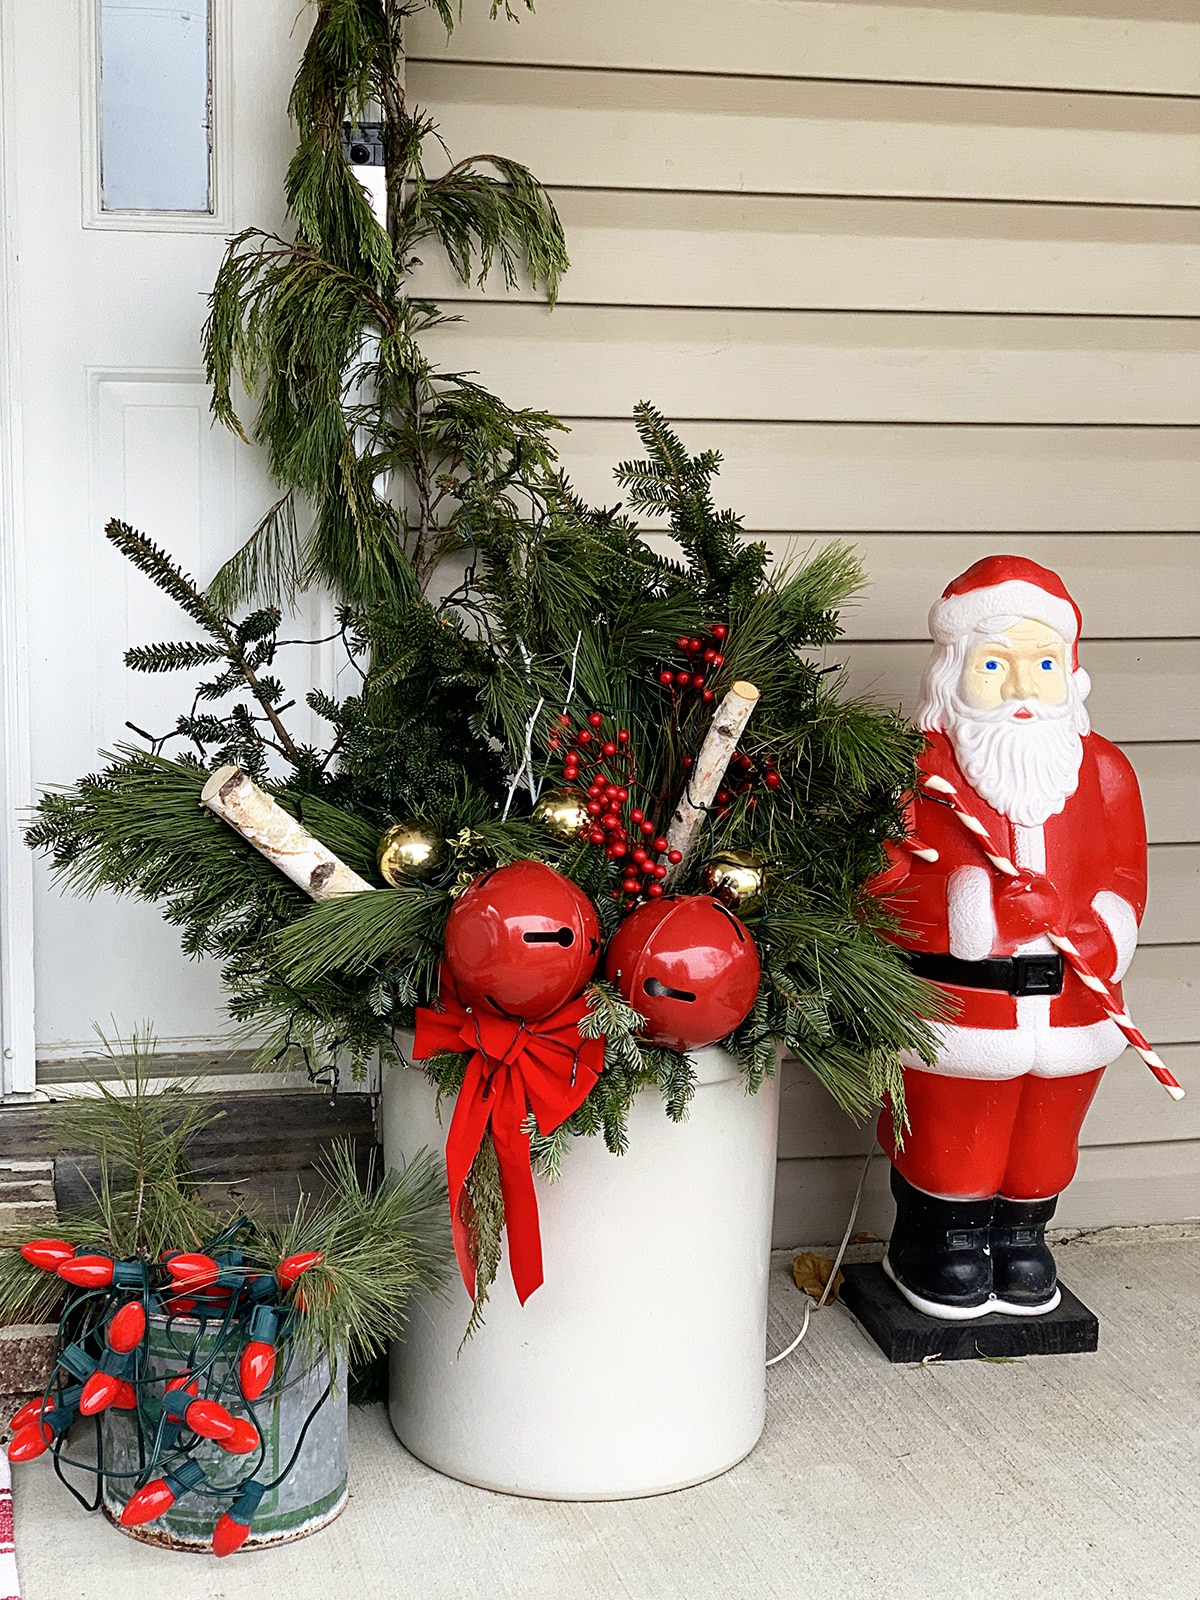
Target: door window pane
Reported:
[(154, 106)]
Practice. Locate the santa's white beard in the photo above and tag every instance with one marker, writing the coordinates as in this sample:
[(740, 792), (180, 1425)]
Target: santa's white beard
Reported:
[(1025, 768)]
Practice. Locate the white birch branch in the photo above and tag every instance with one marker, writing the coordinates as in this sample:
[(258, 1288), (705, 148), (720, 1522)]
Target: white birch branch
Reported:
[(709, 768), (286, 843)]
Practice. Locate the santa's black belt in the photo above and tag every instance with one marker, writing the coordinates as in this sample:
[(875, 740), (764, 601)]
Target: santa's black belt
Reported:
[(1009, 974)]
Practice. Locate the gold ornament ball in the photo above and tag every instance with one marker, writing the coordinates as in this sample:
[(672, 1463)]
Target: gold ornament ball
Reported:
[(411, 851), (737, 878), (562, 813)]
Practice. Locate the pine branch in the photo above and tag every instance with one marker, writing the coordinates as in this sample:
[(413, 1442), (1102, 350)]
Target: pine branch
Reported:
[(381, 1240), (271, 563), (359, 932)]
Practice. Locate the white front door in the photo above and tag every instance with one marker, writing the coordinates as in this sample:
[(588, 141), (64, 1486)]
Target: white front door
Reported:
[(119, 188)]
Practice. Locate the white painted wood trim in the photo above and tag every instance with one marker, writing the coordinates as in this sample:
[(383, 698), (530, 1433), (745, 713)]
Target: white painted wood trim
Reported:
[(220, 67), (17, 1055)]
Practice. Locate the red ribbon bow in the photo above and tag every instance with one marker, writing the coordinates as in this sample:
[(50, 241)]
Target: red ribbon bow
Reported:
[(515, 1067)]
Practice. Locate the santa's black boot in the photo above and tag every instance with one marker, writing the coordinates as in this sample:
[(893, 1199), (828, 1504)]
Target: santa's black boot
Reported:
[(1023, 1271), (938, 1256)]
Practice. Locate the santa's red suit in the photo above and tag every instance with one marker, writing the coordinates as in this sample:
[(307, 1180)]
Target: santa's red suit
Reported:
[(1000, 1109)]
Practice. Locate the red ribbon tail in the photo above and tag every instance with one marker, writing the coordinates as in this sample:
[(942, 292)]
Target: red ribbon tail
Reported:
[(467, 1128), (521, 1219)]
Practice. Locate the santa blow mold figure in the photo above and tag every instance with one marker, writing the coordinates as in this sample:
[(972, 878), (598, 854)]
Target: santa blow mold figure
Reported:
[(1012, 776)]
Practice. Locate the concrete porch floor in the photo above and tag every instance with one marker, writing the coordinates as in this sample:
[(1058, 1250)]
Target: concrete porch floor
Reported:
[(1070, 1477)]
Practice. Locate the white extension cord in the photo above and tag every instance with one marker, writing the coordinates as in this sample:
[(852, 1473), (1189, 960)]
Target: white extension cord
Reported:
[(809, 1303)]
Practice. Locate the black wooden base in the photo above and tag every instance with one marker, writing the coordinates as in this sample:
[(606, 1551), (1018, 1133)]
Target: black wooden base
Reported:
[(904, 1334)]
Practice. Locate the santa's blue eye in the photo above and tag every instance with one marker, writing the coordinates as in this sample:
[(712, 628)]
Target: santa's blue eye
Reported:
[(1047, 665), (992, 666)]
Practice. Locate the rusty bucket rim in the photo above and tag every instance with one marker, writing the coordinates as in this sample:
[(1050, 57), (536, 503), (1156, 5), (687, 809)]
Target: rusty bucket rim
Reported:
[(162, 1539)]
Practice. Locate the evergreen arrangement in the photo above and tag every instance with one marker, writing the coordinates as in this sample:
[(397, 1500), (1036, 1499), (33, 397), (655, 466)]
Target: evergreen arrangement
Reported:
[(180, 1327), (471, 711)]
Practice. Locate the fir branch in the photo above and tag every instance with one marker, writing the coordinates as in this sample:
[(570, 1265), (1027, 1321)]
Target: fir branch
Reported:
[(166, 575), (178, 586), (547, 1151), (483, 1205), (181, 656)]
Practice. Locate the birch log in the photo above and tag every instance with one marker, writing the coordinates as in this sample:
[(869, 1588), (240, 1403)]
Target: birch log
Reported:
[(708, 769), (234, 797)]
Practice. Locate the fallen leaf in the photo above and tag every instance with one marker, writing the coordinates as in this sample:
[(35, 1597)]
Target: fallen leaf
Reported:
[(811, 1273)]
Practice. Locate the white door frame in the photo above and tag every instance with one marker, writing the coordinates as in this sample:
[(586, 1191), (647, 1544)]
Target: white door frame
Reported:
[(17, 1046)]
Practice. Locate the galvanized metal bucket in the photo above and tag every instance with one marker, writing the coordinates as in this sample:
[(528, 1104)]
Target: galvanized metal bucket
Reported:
[(311, 1494)]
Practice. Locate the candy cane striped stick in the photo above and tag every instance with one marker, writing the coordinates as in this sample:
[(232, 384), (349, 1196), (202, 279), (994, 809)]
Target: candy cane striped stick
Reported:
[(923, 852), (939, 786)]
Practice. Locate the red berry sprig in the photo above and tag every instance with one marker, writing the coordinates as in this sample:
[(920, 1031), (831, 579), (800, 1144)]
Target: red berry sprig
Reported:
[(701, 656), (629, 840), (741, 778)]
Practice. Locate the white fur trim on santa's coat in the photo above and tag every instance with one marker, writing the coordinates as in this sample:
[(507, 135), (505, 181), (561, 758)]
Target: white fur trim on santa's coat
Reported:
[(1029, 848), (1033, 1046), (1119, 917), (969, 914), (959, 614)]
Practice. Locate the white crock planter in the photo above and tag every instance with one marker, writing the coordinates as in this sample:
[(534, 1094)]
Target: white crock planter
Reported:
[(638, 1366)]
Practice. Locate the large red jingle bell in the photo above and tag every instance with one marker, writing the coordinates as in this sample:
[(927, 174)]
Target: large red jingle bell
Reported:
[(688, 965), (522, 941)]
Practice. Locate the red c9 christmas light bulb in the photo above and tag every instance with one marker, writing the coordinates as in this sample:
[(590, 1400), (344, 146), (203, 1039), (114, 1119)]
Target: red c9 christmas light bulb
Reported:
[(210, 1420), (192, 1271), (49, 1254), (256, 1367), (29, 1442), (293, 1267), (87, 1272), (148, 1502), (205, 1417), (30, 1412), (127, 1328), (233, 1527), (160, 1494), (99, 1392), (244, 1439), (125, 1398)]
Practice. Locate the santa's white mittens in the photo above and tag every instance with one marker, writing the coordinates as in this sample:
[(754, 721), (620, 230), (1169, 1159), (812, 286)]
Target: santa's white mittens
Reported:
[(1119, 918), (969, 912)]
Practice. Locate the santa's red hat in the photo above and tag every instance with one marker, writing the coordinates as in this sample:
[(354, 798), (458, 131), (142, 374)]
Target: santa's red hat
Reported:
[(1006, 586)]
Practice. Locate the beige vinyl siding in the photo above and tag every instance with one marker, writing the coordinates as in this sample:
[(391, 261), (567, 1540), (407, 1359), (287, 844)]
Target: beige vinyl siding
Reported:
[(929, 278)]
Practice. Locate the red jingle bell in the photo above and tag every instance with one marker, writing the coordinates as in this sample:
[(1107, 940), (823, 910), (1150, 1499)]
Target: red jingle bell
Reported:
[(688, 965), (522, 941)]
